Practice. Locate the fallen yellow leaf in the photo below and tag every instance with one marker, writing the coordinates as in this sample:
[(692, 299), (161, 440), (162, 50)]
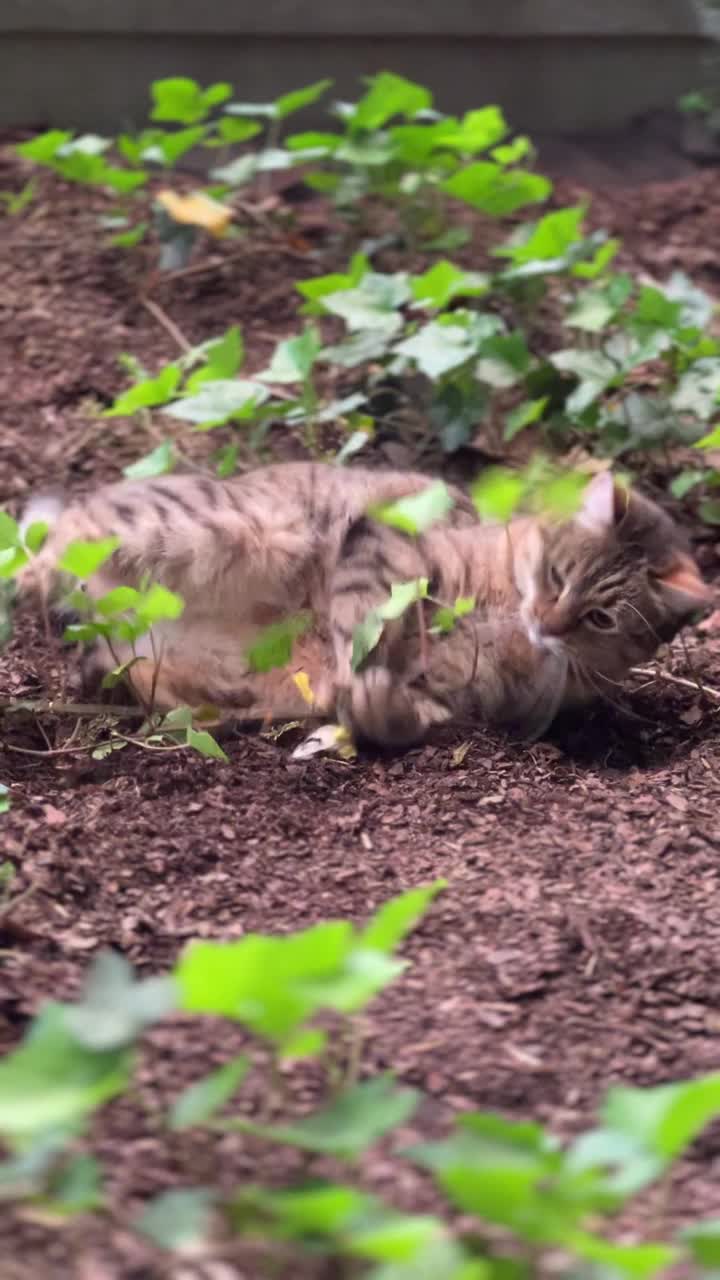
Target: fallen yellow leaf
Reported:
[(197, 210), (302, 681)]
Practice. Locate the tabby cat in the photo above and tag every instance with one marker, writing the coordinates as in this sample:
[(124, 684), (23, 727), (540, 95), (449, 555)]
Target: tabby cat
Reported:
[(563, 608)]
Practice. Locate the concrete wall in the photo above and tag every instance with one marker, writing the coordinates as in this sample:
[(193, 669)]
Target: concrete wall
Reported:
[(554, 65)]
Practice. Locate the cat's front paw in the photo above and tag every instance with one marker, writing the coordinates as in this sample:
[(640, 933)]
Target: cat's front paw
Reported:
[(379, 708)]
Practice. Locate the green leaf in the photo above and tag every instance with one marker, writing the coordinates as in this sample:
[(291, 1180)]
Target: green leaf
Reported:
[(685, 481), (218, 401), (709, 511), (52, 1081), (703, 1241), (232, 130), (156, 463), (198, 1103), (177, 1220), (182, 101), (442, 282), (274, 646), (75, 1188), (158, 603), (497, 191), (289, 103), (203, 742), (396, 918), (115, 1008), (593, 310), (45, 147), (601, 259), (365, 637), (9, 532), (497, 493), (4, 802), (147, 394), (667, 1118), (477, 131), (549, 238), (320, 286), (223, 358), (119, 600), (446, 616), (372, 304), (263, 982), (367, 633), (698, 307), (315, 1210), (698, 391), (418, 512), (293, 359), (35, 535), (438, 347), (504, 359), (523, 416), (389, 95), (637, 1262), (360, 348), (352, 1123), (83, 559), (593, 370)]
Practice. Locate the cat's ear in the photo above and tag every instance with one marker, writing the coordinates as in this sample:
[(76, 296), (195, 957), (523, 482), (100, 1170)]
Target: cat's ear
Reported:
[(597, 511), (682, 588)]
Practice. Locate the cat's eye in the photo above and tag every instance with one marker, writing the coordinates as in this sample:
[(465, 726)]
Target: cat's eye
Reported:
[(600, 619)]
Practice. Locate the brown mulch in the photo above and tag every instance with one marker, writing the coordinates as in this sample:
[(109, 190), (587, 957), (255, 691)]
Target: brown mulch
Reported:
[(578, 943)]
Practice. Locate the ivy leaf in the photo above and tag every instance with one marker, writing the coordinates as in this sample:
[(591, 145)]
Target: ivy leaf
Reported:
[(368, 632), (218, 401), (416, 513), (156, 463), (550, 238), (594, 371), (180, 100), (177, 1220), (497, 493), (442, 282), (523, 416), (592, 311), (477, 131), (115, 1008), (204, 743), (198, 1103), (274, 646), (294, 358), (147, 394), (437, 348), (698, 391), (396, 918), (351, 1124), (83, 559), (52, 1081), (497, 191), (389, 95), (223, 358), (289, 103)]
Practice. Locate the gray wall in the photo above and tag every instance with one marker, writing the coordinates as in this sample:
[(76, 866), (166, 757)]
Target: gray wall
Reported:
[(554, 65)]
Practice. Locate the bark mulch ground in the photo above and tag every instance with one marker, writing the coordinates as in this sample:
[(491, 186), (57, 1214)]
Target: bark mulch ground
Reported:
[(578, 943)]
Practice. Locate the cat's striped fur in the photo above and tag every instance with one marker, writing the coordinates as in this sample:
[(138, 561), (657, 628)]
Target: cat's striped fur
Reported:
[(563, 609)]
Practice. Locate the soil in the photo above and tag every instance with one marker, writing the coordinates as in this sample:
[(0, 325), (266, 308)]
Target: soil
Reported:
[(578, 942)]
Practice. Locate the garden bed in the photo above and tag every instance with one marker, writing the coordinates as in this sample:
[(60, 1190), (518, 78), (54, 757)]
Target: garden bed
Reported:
[(578, 942)]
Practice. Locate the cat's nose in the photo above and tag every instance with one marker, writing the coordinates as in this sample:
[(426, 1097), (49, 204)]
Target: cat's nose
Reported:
[(552, 622)]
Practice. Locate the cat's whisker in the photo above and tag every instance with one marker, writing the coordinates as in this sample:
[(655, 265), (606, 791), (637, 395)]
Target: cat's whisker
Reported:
[(642, 618)]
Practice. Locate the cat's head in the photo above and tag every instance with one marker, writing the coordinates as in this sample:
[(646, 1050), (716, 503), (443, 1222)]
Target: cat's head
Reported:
[(609, 586)]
